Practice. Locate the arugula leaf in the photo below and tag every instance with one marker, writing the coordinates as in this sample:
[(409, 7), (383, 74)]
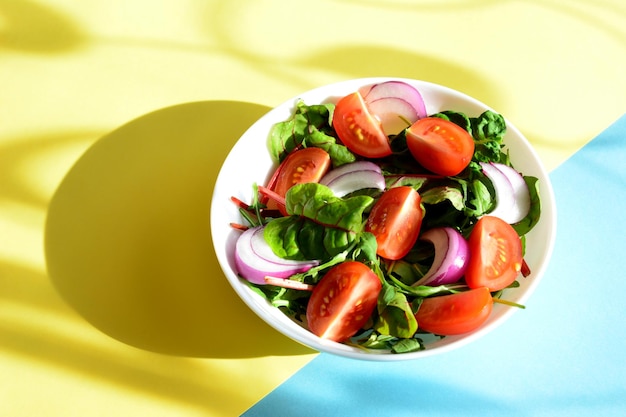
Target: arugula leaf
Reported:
[(369, 339), (396, 318), (480, 199), (308, 126), (437, 195), (365, 251), (292, 302), (415, 181), (408, 345), (405, 271), (427, 290)]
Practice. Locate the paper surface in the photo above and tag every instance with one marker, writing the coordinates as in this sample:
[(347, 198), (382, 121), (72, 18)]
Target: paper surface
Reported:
[(74, 72)]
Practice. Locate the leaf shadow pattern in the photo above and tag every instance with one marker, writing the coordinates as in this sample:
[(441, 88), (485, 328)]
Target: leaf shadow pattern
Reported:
[(34, 28), (35, 327), (127, 239), (395, 62), (24, 179)]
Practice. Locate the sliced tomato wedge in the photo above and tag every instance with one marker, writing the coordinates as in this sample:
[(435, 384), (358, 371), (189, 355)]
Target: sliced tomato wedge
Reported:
[(342, 301), (453, 314), (303, 165), (495, 254), (395, 221), (440, 146), (358, 129)]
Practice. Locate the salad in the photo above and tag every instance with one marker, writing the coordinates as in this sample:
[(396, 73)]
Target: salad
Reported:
[(382, 225)]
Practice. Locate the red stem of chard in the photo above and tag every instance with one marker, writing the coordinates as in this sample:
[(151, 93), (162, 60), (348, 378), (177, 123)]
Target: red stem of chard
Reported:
[(239, 226), (525, 269), (240, 203), (266, 192)]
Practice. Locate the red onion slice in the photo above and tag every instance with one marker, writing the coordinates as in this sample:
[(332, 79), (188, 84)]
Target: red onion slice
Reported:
[(521, 194), (254, 259), (346, 168), (451, 256), (354, 176), (395, 114), (396, 89), (512, 194)]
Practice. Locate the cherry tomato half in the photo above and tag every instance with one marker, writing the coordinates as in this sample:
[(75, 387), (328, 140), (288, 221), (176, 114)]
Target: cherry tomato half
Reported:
[(342, 301), (458, 313), (358, 129), (303, 165), (440, 146), (395, 220), (495, 254)]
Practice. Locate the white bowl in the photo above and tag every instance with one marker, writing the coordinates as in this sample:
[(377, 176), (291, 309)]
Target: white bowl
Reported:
[(249, 162)]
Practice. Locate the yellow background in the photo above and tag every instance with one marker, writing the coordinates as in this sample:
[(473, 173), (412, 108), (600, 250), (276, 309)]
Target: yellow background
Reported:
[(115, 117)]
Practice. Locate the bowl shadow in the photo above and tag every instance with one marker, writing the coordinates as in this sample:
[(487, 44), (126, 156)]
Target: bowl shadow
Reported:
[(128, 242)]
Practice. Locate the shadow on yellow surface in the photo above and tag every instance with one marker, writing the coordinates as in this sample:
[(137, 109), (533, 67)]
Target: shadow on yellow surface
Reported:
[(32, 27), (389, 61), (128, 243)]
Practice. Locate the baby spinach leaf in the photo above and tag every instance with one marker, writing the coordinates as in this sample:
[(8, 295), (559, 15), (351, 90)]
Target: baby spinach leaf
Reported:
[(457, 118), (339, 154), (318, 203), (300, 238), (308, 126), (320, 225), (488, 131), (489, 126)]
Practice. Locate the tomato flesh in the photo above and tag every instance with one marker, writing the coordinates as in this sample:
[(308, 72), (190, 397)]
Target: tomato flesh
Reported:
[(440, 146), (495, 254), (358, 129), (454, 314), (343, 301), (395, 221), (303, 165)]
